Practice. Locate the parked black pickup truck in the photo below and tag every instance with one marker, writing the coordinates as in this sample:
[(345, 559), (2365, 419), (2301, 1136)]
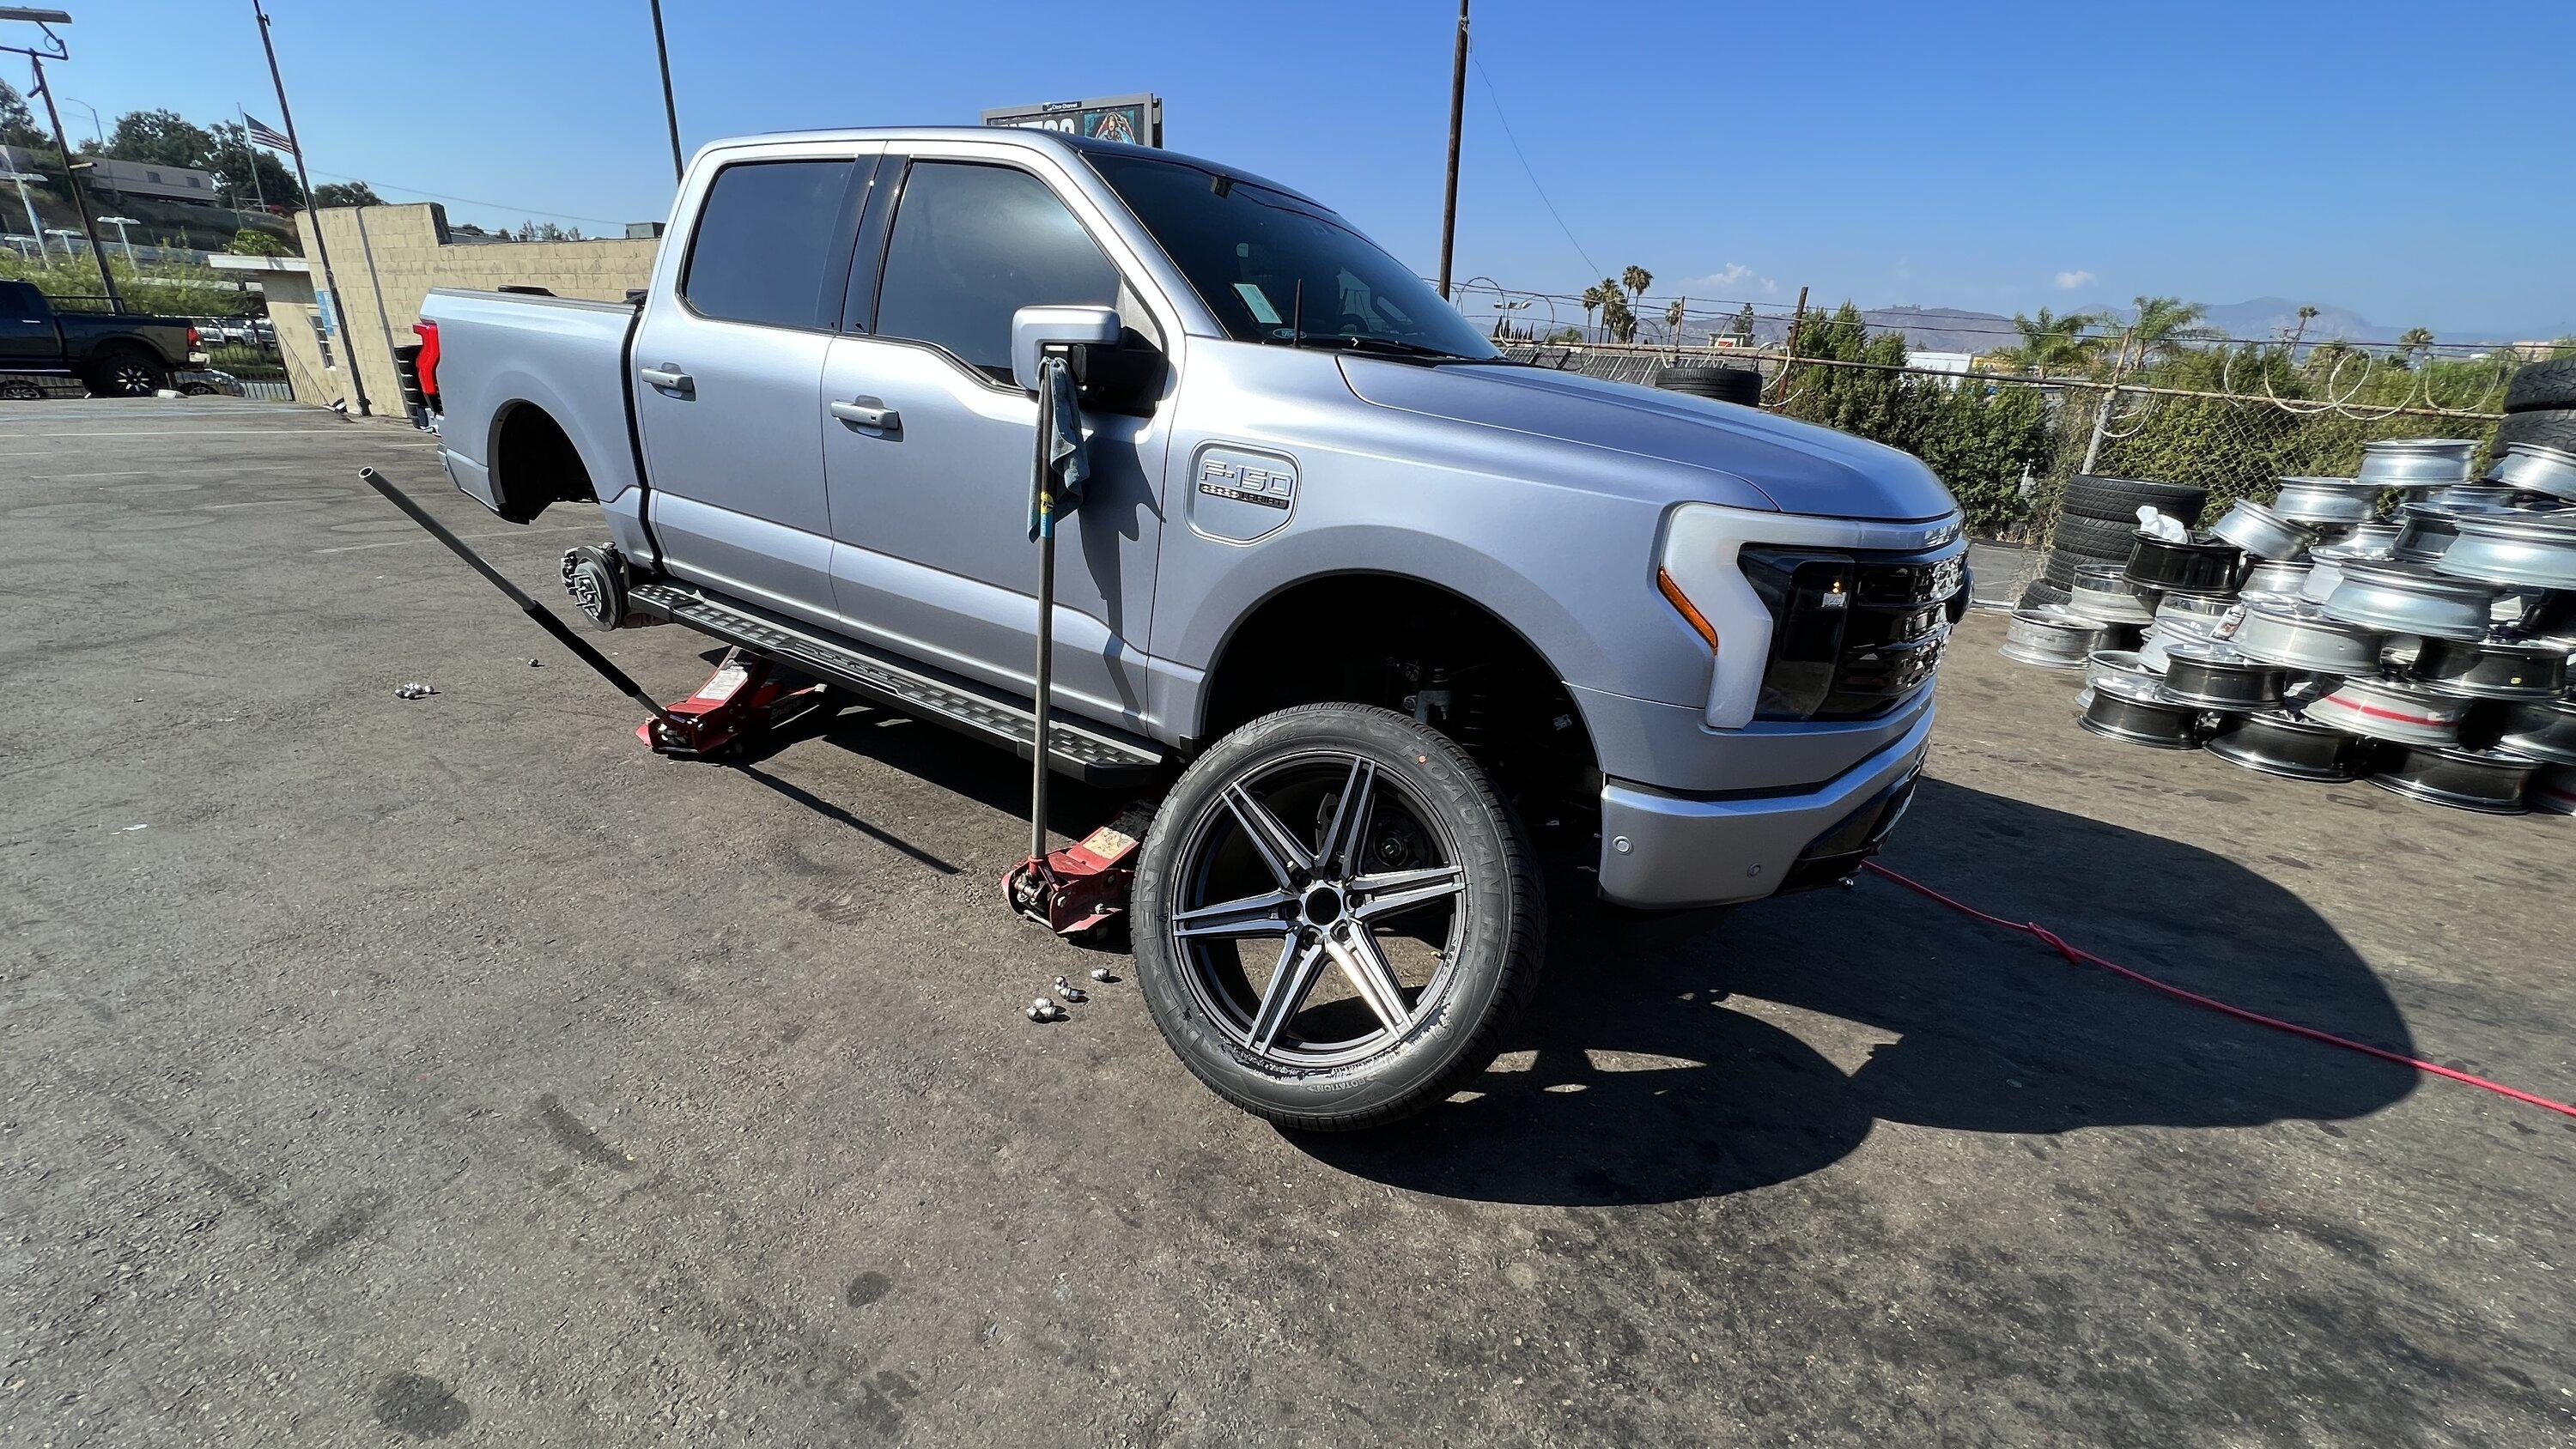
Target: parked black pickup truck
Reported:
[(117, 354)]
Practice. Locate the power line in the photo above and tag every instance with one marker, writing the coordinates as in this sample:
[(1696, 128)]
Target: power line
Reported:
[(1496, 99), (470, 201)]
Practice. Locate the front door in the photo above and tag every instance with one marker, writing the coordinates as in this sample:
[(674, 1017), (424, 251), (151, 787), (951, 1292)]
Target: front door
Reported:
[(930, 501), (728, 368)]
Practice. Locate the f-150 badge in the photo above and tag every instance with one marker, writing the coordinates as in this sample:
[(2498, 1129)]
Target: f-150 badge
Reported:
[(1270, 484), (1239, 494)]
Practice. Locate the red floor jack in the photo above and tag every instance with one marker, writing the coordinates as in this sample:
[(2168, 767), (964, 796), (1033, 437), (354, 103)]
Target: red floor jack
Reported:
[(747, 696), (1084, 886)]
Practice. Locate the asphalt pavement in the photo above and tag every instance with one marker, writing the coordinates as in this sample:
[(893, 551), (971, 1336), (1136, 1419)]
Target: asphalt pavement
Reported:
[(378, 1070)]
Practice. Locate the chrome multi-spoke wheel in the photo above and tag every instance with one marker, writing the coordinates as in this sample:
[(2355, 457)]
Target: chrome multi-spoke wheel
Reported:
[(1266, 911), (1335, 916)]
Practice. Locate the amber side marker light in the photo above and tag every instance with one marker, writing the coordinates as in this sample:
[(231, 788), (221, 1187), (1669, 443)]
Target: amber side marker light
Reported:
[(1689, 611)]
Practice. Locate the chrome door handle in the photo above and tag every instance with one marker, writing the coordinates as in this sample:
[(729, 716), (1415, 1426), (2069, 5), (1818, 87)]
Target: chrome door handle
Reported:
[(668, 375), (868, 414)]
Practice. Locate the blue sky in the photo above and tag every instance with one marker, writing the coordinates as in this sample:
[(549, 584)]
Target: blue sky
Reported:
[(2407, 162)]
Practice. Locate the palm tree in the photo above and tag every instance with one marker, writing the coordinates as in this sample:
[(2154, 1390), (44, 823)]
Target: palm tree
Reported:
[(1637, 280), (1617, 318), (2050, 341), (2307, 314), (1593, 297), (1674, 316), (2165, 323), (2414, 340)]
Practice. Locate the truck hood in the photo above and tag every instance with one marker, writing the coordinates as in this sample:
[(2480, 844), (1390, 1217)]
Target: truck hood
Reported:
[(1800, 467)]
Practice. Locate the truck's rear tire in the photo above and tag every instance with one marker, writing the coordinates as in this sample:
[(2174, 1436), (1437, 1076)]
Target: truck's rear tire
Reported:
[(126, 372), (1331, 969)]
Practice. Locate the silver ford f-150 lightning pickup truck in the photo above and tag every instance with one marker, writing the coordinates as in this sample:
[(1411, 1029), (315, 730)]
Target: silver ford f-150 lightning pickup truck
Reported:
[(1380, 607)]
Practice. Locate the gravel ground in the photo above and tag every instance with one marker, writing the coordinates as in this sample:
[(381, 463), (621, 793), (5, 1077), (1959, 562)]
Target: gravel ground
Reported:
[(381, 1070)]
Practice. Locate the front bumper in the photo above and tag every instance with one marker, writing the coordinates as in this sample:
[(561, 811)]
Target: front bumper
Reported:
[(1661, 851)]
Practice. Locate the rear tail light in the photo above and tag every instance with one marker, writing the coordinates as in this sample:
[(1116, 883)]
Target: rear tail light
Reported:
[(428, 334), (194, 341)]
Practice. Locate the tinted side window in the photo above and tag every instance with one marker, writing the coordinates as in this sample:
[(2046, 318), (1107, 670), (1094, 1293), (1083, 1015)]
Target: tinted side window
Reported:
[(766, 239), (973, 244), (19, 299)]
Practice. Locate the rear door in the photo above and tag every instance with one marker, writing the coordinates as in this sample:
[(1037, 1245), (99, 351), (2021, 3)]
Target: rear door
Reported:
[(27, 338), (728, 361), (931, 508)]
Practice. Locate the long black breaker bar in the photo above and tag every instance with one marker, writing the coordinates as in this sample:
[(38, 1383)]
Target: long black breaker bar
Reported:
[(580, 647)]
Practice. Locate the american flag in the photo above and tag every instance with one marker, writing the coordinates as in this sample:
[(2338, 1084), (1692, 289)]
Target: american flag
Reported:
[(267, 135)]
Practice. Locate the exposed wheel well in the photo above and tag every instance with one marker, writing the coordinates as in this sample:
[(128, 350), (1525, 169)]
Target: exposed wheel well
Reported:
[(1419, 649), (534, 463)]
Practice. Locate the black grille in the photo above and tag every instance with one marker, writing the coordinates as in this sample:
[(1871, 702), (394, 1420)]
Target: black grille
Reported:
[(1853, 633)]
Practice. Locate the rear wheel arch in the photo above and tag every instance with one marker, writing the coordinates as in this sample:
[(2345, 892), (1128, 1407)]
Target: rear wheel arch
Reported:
[(534, 462)]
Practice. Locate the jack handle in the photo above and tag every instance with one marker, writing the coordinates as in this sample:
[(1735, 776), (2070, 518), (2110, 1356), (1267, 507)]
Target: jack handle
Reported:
[(580, 647)]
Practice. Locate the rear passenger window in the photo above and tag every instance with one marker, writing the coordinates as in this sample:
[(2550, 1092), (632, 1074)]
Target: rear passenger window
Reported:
[(973, 244), (765, 241)]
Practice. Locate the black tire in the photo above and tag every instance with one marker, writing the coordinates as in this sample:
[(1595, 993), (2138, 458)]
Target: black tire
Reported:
[(2546, 427), (2097, 538), (2041, 591), (1726, 384), (126, 372), (2089, 495), (2542, 386), (1295, 766)]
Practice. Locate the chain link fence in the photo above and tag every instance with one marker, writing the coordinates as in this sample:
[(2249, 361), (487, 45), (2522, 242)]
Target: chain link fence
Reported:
[(2234, 419)]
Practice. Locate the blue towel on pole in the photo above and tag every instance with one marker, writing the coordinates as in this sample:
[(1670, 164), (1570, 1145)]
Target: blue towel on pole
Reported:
[(1055, 482)]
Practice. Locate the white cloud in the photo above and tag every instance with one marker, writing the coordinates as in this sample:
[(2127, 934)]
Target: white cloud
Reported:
[(1732, 280), (2069, 281)]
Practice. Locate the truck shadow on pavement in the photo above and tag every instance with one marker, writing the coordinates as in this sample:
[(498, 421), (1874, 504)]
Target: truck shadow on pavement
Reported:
[(1669, 1060)]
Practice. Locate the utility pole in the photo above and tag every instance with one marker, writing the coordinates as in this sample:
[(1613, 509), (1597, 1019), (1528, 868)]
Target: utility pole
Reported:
[(321, 248), (71, 183), (670, 107), (1789, 351), (1457, 124)]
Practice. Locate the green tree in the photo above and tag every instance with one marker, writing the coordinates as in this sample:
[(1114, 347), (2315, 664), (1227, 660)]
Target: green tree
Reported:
[(2164, 325), (17, 123), (250, 241), (2414, 340), (1742, 327), (1593, 297), (346, 193), (163, 138), (1674, 315), (1636, 280), (2050, 343), (1617, 318)]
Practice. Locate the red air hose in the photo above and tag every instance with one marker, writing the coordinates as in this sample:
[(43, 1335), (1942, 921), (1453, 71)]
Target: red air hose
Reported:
[(2082, 957)]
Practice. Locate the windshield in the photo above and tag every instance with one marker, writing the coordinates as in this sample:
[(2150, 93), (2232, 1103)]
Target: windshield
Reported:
[(1276, 269)]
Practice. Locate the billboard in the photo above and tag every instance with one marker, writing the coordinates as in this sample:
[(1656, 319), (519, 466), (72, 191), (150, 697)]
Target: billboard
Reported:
[(1137, 120)]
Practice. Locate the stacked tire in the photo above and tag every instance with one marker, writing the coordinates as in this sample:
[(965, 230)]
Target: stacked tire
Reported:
[(1726, 384), (2540, 406), (2098, 524)]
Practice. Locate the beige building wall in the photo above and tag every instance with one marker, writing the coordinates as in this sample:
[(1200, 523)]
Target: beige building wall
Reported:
[(386, 258)]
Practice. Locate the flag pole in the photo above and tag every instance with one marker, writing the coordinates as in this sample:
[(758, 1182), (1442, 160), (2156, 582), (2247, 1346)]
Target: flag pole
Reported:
[(256, 189), (321, 248)]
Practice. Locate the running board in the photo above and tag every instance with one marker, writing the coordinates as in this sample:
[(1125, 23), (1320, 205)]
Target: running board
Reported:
[(1084, 751)]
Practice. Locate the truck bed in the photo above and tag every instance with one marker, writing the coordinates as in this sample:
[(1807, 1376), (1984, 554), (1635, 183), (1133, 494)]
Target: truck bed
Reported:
[(563, 354)]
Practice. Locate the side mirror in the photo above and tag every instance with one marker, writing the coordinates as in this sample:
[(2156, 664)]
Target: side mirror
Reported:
[(1034, 329)]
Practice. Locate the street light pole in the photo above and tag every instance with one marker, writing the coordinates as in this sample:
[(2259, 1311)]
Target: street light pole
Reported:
[(321, 248), (35, 228), (121, 223), (670, 106), (1457, 125), (94, 127)]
